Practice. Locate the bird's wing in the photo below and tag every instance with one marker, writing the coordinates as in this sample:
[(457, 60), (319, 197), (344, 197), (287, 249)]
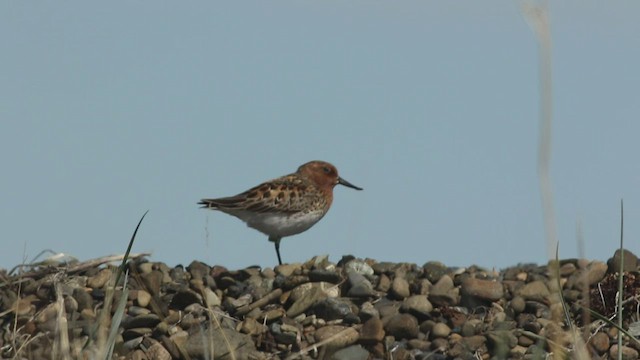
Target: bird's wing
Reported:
[(287, 194)]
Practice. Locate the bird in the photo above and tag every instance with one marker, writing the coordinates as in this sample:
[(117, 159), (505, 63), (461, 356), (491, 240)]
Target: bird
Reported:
[(287, 205)]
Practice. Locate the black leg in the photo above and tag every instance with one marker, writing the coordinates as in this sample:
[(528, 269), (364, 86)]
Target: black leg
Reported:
[(276, 242)]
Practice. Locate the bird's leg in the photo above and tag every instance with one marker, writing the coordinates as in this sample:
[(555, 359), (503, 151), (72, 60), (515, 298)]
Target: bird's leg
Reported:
[(276, 242)]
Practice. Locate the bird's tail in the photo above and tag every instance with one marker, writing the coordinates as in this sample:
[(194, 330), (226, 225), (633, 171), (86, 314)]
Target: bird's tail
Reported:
[(208, 204)]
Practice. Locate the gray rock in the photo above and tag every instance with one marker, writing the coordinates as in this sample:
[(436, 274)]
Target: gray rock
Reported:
[(630, 262), (223, 341), (434, 270), (288, 269), (100, 279), (353, 352), (417, 305), (518, 304), (198, 270), (141, 321), (535, 291), (400, 288), (341, 336), (440, 330), (303, 303), (475, 291), (367, 311), (185, 298), (333, 309), (153, 281), (359, 266), (284, 335), (85, 301), (359, 285), (325, 276), (596, 271), (443, 293)]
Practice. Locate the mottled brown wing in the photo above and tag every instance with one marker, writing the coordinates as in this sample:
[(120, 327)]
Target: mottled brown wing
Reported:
[(287, 194)]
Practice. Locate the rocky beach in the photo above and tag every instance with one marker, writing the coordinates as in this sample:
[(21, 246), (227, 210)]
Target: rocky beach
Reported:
[(353, 309)]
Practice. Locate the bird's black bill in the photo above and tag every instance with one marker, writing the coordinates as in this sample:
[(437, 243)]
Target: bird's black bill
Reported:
[(344, 182)]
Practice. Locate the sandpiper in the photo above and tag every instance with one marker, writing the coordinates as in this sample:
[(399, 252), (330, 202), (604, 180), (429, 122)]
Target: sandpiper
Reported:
[(287, 205)]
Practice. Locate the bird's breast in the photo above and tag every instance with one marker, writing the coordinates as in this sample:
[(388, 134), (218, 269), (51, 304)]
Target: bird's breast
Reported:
[(281, 224)]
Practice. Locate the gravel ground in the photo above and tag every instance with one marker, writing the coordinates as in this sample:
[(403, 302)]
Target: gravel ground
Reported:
[(353, 309)]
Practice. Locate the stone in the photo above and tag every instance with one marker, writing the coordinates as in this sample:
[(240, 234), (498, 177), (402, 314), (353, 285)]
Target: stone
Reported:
[(287, 269), (211, 299), (340, 336), (434, 270), (198, 270), (153, 281), (303, 303), (475, 291), (224, 341), (596, 271), (100, 279), (353, 352), (141, 321), (440, 330), (321, 275), (600, 342), (359, 266), (417, 305), (402, 326), (332, 309), (143, 298), (84, 299), (284, 335), (372, 331), (630, 262), (518, 304), (443, 292), (384, 283), (628, 353), (359, 285), (535, 291), (400, 288)]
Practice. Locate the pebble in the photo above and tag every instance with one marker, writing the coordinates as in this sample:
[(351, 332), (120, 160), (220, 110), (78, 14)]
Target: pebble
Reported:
[(596, 272), (417, 305), (365, 309), (630, 262), (484, 290), (353, 352), (600, 342), (359, 266), (340, 336), (402, 326), (372, 331), (440, 330), (400, 288), (143, 298), (434, 270), (100, 279), (628, 353), (535, 291), (443, 292)]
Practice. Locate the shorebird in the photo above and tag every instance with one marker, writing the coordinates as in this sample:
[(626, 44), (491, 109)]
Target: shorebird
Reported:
[(287, 205)]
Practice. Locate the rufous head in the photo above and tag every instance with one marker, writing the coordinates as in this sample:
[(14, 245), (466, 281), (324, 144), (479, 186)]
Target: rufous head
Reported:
[(324, 175)]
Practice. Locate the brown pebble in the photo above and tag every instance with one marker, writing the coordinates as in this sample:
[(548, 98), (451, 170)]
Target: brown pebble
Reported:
[(372, 331), (600, 342)]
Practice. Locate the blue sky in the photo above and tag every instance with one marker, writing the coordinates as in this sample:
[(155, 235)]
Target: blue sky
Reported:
[(109, 110)]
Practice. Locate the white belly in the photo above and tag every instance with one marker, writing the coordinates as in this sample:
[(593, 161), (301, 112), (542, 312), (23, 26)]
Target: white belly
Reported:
[(281, 225)]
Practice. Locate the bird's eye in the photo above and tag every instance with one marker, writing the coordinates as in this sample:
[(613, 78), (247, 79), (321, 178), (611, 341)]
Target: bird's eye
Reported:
[(326, 170)]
